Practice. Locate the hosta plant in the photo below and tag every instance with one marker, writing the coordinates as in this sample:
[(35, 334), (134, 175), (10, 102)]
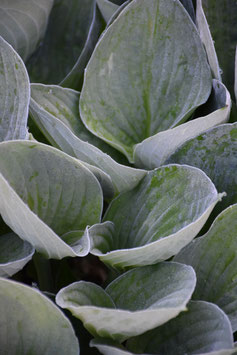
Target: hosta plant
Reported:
[(118, 201)]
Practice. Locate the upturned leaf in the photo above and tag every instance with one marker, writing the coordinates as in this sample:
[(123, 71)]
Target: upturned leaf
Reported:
[(31, 324), (156, 219), (48, 198), (196, 331), (55, 111), (154, 151), (143, 76), (214, 258), (139, 300)]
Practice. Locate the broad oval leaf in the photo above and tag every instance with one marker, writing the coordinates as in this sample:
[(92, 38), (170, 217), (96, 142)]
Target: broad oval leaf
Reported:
[(71, 35), (214, 258), (55, 111), (14, 254), (140, 299), (23, 23), (143, 76), (14, 94), (156, 219), (203, 329), (214, 152), (153, 151), (31, 324), (62, 104), (48, 198)]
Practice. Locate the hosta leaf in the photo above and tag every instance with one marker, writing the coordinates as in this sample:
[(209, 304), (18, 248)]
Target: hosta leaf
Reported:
[(215, 152), (107, 8), (14, 254), (203, 329), (48, 198), (55, 111), (31, 324), (205, 35), (214, 257), (70, 38), (23, 23), (153, 151), (156, 219), (139, 300), (14, 94), (62, 103), (128, 97)]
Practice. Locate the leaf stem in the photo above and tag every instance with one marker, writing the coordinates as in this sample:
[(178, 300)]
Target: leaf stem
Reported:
[(44, 273)]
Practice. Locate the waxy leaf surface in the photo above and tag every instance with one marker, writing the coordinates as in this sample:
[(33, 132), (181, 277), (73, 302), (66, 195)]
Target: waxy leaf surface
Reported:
[(23, 23), (48, 198), (143, 76), (196, 331), (156, 219), (14, 254), (139, 300), (55, 111), (14, 94), (31, 324), (153, 151), (214, 258), (214, 152)]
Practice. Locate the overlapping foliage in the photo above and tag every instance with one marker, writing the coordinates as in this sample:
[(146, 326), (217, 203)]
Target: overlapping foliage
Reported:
[(115, 156)]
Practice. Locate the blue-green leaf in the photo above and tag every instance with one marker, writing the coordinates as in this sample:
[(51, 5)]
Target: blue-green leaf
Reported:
[(14, 94), (139, 84), (139, 300), (31, 324)]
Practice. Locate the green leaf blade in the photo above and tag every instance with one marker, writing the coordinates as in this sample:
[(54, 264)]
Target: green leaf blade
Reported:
[(154, 151), (105, 315), (55, 111), (14, 94), (23, 23), (31, 324), (156, 219), (213, 256), (143, 101), (14, 254), (69, 29), (46, 194), (203, 329), (214, 152)]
